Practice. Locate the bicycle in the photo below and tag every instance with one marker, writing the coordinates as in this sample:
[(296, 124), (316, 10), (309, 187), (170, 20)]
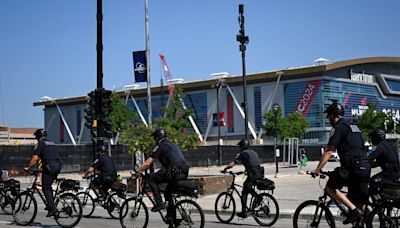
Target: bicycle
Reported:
[(183, 212), (112, 200), (265, 212), (68, 205), (387, 212), (317, 213), (9, 190)]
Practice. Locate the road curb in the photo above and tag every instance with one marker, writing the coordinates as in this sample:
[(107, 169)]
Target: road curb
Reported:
[(284, 215)]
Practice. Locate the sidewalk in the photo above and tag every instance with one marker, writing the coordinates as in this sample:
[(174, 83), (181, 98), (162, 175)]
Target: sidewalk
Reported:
[(291, 188)]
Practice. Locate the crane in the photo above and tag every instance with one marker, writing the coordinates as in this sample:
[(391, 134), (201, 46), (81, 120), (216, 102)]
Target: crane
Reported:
[(167, 73)]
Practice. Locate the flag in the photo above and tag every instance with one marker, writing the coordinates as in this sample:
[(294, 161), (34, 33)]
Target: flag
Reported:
[(140, 66), (220, 120)]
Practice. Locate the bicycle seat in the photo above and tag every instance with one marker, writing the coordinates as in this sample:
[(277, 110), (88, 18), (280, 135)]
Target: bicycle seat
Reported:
[(60, 179)]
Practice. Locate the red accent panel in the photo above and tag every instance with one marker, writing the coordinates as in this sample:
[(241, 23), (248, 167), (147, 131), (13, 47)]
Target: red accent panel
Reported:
[(307, 97), (347, 99), (230, 116)]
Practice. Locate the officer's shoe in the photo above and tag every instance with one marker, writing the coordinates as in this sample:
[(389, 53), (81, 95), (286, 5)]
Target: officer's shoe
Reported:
[(354, 216), (158, 207), (51, 212), (242, 214)]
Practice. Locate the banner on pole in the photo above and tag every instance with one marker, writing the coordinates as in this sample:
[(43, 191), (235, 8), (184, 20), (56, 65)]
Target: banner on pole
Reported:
[(140, 66), (219, 121)]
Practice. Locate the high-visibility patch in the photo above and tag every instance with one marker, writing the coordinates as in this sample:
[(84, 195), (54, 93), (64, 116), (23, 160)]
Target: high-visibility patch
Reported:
[(332, 131), (354, 128), (155, 149)]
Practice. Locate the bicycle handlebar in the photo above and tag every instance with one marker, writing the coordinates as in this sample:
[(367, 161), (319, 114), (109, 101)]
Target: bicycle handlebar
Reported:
[(322, 175), (137, 174), (232, 173)]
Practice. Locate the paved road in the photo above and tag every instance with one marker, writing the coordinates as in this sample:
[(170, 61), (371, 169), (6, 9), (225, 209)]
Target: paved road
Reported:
[(291, 189)]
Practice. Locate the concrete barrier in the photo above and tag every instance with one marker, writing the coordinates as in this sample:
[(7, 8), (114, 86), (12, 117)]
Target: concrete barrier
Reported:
[(207, 185)]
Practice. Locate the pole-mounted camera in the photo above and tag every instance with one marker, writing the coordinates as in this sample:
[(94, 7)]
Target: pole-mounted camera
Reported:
[(243, 40)]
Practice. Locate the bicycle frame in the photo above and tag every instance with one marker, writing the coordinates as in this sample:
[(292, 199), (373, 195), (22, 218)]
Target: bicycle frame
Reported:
[(234, 188), (143, 193), (34, 189)]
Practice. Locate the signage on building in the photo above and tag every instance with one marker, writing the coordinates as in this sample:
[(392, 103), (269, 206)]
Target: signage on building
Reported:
[(307, 97), (361, 77), (310, 141), (359, 111), (394, 113)]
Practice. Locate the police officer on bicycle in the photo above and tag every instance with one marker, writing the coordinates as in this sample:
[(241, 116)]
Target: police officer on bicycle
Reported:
[(48, 153), (174, 168), (251, 162), (384, 156), (354, 170), (107, 172)]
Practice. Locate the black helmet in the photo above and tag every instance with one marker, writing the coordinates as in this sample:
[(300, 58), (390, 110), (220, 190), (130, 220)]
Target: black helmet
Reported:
[(39, 133), (101, 149), (159, 134), (377, 136), (243, 144), (335, 109)]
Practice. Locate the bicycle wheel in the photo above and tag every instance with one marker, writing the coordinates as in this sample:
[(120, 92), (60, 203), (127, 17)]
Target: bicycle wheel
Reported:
[(87, 203), (7, 200), (386, 215), (69, 210), (114, 203), (225, 207), (265, 212), (312, 214), (133, 213), (24, 209), (188, 214)]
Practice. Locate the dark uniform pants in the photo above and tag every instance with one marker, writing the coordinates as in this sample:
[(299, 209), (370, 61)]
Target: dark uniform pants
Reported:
[(48, 177), (248, 186), (162, 176)]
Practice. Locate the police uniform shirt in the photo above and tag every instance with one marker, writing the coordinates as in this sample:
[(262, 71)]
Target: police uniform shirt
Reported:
[(384, 154), (348, 140), (105, 164), (46, 150), (249, 159), (168, 153)]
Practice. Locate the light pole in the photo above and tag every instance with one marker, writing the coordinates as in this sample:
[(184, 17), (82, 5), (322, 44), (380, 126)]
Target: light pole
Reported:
[(275, 110), (218, 85), (243, 40)]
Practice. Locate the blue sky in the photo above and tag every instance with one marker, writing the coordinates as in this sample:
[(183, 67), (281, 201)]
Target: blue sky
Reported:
[(48, 47)]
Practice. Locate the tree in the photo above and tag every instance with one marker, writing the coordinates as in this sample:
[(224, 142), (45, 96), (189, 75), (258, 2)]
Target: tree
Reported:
[(121, 115), (175, 122), (269, 126), (294, 126), (371, 120)]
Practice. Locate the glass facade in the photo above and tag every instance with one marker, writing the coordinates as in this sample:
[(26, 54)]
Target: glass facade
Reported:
[(393, 85), (196, 102), (306, 98), (78, 122), (353, 96), (257, 107)]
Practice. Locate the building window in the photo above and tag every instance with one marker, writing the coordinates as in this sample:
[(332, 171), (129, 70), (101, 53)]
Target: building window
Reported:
[(78, 122), (197, 102), (62, 127), (393, 85), (257, 107)]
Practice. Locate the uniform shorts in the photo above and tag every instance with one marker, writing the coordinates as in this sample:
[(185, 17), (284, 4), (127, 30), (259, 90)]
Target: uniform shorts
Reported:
[(356, 179)]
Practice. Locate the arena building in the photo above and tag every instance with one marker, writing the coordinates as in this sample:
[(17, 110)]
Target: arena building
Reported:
[(307, 90)]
